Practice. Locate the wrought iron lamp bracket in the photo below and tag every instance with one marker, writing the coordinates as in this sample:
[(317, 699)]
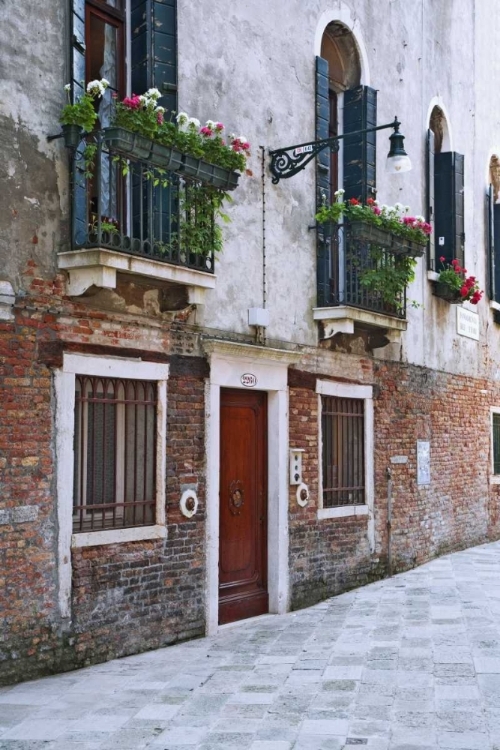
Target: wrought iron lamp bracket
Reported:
[(287, 162)]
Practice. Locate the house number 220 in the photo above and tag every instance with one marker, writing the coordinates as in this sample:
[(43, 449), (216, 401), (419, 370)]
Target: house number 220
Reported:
[(248, 380)]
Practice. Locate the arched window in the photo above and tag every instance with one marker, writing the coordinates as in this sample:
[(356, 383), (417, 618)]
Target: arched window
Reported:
[(445, 193), (343, 106)]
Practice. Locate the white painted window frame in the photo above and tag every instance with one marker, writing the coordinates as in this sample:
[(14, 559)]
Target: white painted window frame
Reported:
[(345, 390), (494, 478), (64, 390)]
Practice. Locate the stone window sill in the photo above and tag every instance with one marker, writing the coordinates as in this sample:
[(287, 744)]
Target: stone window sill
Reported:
[(342, 319), (117, 536), (343, 512), (495, 479), (99, 266)]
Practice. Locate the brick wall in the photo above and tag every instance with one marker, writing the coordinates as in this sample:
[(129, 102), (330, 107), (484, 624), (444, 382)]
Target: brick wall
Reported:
[(456, 510), (128, 597)]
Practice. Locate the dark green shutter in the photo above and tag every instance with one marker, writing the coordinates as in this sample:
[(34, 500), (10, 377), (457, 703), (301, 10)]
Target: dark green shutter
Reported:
[(490, 263), (77, 66), (322, 178), (449, 206), (154, 48), (360, 152), (429, 214)]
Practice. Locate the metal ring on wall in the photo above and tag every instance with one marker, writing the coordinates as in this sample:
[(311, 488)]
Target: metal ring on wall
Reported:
[(188, 503), (302, 495)]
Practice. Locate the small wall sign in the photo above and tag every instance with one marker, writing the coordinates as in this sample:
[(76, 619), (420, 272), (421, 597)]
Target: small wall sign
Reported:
[(423, 462), (468, 323), (249, 380)]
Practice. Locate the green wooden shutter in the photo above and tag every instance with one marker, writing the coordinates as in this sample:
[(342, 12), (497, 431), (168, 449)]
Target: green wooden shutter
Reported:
[(429, 213), (490, 261), (79, 216), (449, 206), (154, 48), (360, 152), (322, 179)]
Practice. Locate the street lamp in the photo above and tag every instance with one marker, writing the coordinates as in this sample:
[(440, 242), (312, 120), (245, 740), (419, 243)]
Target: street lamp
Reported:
[(286, 162)]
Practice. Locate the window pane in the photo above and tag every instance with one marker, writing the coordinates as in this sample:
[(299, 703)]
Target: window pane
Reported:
[(496, 443), (343, 457)]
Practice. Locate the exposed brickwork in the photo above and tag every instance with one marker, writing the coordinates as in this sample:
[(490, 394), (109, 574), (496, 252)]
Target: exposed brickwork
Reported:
[(458, 509), (127, 597)]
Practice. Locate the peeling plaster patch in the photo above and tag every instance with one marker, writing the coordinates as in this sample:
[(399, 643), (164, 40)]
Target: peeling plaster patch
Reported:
[(33, 201), (23, 514)]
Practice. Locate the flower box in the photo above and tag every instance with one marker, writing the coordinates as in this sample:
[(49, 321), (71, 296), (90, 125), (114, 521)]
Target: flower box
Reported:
[(445, 292), (361, 230), (136, 146), (397, 245), (209, 173)]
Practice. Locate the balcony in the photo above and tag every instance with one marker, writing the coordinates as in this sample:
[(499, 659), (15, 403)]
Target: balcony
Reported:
[(143, 212), (349, 302)]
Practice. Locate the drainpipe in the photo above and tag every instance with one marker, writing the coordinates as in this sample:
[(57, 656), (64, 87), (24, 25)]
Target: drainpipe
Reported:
[(388, 474)]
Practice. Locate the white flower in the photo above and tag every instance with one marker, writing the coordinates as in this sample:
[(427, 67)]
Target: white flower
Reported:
[(95, 88), (420, 218), (398, 206), (210, 124), (242, 139), (105, 82), (339, 192), (193, 123), (182, 117), (407, 208), (67, 87), (160, 109), (153, 94)]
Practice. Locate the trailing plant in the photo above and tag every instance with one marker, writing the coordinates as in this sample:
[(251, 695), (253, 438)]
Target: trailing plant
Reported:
[(454, 277), (389, 276), (394, 219), (82, 112)]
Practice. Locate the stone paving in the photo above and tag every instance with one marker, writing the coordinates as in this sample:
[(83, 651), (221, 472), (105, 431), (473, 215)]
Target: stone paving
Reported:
[(410, 662)]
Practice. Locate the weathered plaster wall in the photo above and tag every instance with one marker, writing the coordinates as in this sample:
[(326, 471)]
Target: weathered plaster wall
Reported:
[(262, 84), (33, 174)]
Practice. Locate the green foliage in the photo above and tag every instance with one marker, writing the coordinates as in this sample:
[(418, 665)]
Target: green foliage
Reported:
[(389, 276), (81, 113), (392, 219)]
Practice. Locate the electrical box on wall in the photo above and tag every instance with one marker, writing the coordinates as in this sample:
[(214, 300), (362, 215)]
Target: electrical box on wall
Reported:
[(296, 465), (258, 316)]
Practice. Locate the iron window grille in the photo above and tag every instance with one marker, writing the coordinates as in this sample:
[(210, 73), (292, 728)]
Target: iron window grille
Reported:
[(343, 459), (115, 453)]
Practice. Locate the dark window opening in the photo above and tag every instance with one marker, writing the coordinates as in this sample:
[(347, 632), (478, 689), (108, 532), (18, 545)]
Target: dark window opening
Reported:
[(115, 453), (496, 443), (343, 460)]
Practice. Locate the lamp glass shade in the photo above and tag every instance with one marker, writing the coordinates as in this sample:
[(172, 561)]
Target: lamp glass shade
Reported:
[(397, 164)]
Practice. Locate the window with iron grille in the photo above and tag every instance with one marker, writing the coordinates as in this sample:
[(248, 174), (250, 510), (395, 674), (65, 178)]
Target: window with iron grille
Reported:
[(115, 453), (343, 460), (495, 427)]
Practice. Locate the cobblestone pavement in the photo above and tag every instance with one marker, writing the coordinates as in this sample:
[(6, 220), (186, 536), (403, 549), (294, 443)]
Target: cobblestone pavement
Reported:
[(410, 662)]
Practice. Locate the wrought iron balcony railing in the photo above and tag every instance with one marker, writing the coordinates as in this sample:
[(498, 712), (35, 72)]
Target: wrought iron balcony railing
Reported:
[(136, 206), (345, 258)]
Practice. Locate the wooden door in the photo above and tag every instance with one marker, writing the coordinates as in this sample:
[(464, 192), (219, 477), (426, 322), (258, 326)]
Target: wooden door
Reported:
[(243, 505)]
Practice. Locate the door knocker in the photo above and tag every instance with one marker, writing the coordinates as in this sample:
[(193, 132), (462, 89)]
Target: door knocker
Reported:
[(236, 497)]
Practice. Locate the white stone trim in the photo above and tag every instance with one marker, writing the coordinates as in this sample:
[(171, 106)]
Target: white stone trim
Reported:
[(64, 392), (228, 362), (341, 319), (342, 512), (344, 15), (99, 266), (115, 536), (347, 390), (494, 305)]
